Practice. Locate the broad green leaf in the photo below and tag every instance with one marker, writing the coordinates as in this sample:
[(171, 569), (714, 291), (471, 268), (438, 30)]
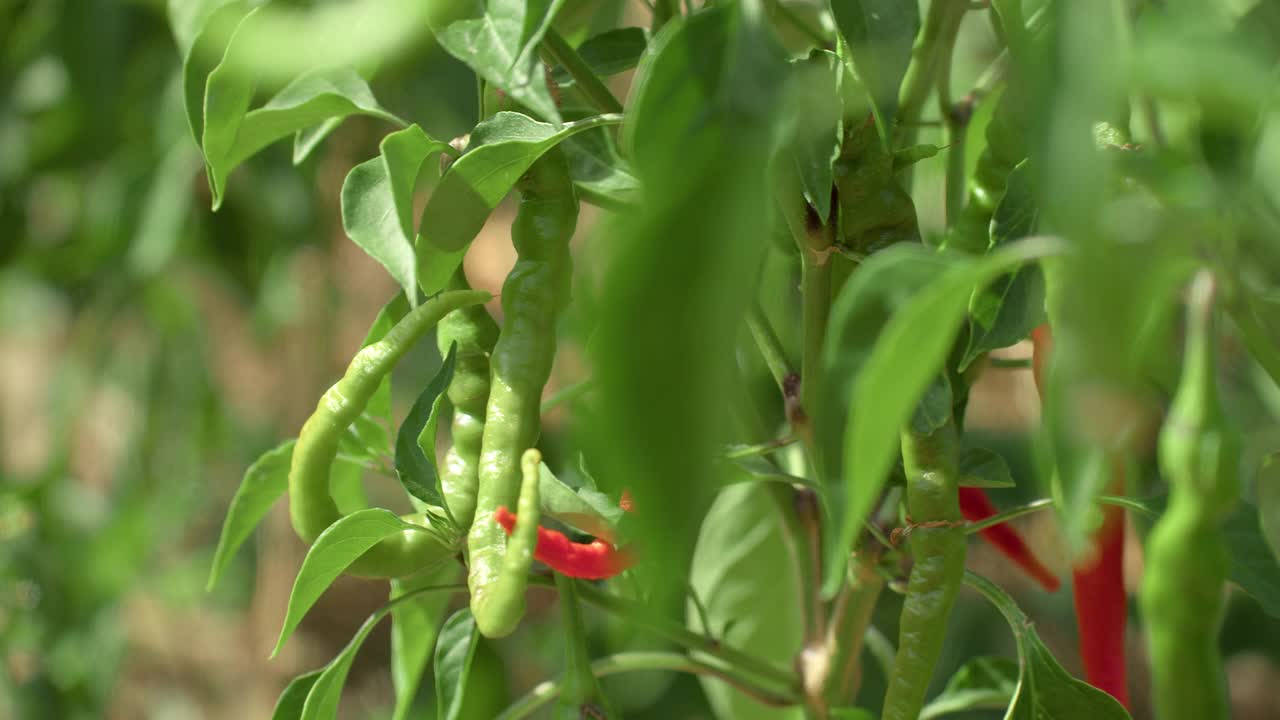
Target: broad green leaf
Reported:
[(415, 621), (1254, 566), (322, 701), (502, 149), (416, 440), (203, 55), (290, 703), (880, 34), (700, 139), (980, 467), (584, 509), (264, 482), (1044, 690), (905, 358), (501, 47), (819, 125), (983, 683), (187, 18), (455, 651), (935, 407), (1006, 312), (233, 133), (747, 572), (377, 203), (609, 53), (1268, 493), (336, 548)]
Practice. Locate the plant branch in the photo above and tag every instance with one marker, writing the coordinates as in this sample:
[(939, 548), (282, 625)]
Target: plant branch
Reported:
[(566, 394), (639, 661), (775, 356), (1007, 515), (556, 49), (937, 37)]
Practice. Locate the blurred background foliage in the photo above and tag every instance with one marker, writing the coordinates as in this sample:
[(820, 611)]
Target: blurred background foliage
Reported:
[(151, 349)]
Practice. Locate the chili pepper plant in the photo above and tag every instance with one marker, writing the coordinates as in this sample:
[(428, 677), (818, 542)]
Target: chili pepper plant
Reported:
[(766, 253)]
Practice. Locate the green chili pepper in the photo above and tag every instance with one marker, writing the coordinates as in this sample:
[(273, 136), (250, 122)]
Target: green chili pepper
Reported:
[(311, 506), (498, 605), (475, 333), (937, 542), (1186, 557), (532, 297)]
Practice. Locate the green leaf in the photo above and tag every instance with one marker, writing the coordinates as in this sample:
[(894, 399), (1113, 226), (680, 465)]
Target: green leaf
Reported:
[(502, 149), (233, 133), (336, 548), (851, 714), (290, 703), (322, 701), (880, 34), (819, 125), (1268, 492), (935, 406), (983, 683), (263, 484), (502, 46), (455, 651), (415, 623), (203, 55), (908, 353), (584, 509), (980, 467), (747, 571), (1044, 689), (416, 441), (609, 53), (601, 175), (1006, 312), (377, 203)]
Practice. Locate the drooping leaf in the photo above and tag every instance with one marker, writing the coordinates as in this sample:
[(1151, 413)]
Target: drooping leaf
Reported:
[(289, 704), (501, 47), (819, 125), (203, 55), (502, 149), (980, 467), (880, 34), (1007, 311), (326, 692), (908, 353), (263, 484), (747, 572), (335, 549), (455, 651), (609, 53), (983, 683), (377, 203), (1044, 690), (415, 622), (233, 133), (416, 440)]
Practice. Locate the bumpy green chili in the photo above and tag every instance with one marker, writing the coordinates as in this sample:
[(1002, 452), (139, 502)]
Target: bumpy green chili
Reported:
[(501, 604), (311, 506), (937, 543), (1186, 556), (475, 333), (532, 297)]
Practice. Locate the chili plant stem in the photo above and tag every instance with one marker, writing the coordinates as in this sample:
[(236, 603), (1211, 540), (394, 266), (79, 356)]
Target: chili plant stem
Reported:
[(639, 661), (936, 38), (556, 49), (850, 620), (566, 394), (1007, 515), (775, 356)]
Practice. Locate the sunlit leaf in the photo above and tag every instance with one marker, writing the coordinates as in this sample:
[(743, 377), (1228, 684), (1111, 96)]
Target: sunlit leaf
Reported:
[(263, 484), (455, 651), (332, 552), (377, 203), (880, 34)]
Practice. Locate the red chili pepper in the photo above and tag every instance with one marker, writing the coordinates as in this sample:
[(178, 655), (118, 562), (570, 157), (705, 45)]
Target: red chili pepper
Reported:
[(976, 506), (1098, 579), (595, 560)]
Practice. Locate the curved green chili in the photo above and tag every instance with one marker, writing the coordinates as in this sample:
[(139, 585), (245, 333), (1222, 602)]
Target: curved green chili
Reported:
[(475, 333), (311, 506), (937, 540), (1182, 597), (532, 296)]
